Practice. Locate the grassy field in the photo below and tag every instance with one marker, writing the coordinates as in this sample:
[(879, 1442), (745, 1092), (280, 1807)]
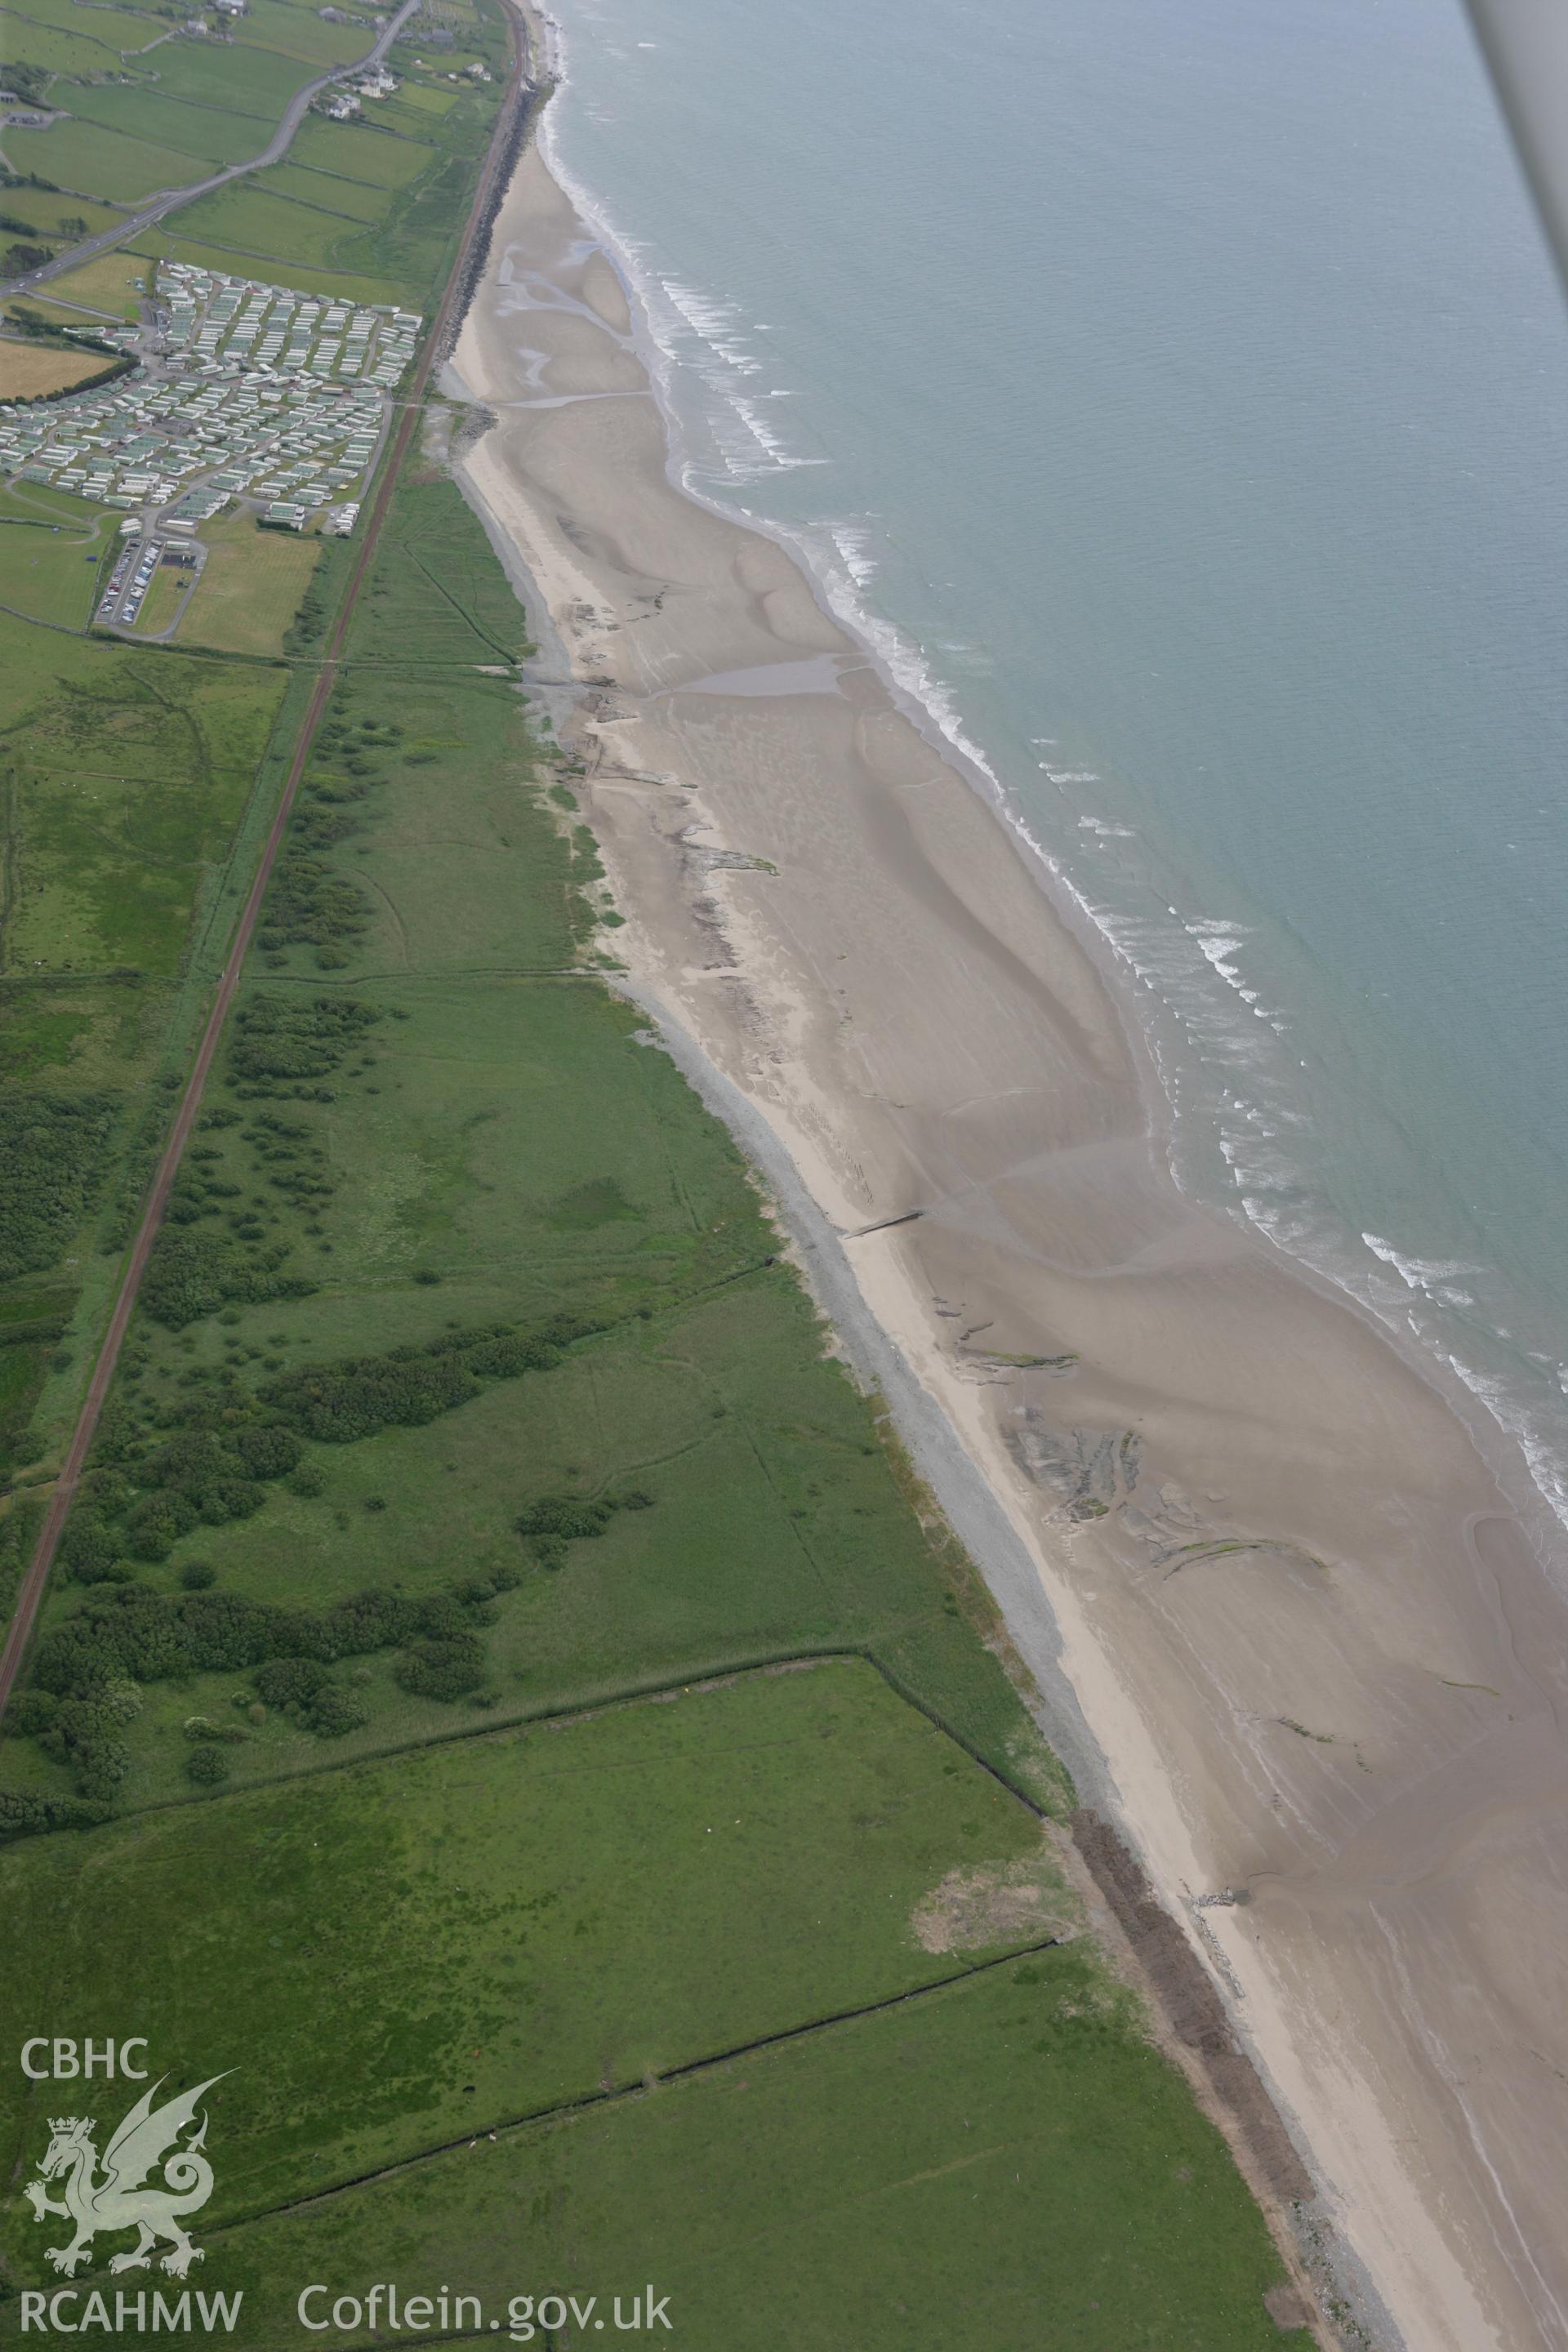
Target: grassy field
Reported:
[(53, 49), (162, 601), (119, 28), (1003, 2166), (91, 160), (54, 216), (360, 150), (125, 791), (112, 281), (168, 242), (244, 218), (28, 369), (299, 30), (49, 572), (205, 135), (356, 203), (250, 587), (244, 77), (573, 1908)]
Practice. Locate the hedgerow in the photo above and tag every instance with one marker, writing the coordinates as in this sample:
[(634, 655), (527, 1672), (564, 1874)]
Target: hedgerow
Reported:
[(28, 1812), (131, 1633)]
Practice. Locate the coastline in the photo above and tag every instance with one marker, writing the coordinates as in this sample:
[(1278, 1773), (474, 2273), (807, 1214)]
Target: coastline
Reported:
[(1285, 1582)]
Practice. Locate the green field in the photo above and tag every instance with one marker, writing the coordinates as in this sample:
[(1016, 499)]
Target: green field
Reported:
[(162, 601), (120, 27), (91, 160), (342, 285), (56, 50), (250, 587), (298, 31), (44, 571), (574, 1907), (359, 151), (654, 1980), (1004, 2166), (244, 218), (115, 282), (205, 135), (240, 76), (54, 216), (125, 792), (354, 202)]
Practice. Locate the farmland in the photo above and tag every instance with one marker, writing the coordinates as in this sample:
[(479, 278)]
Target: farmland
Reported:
[(90, 160), (999, 2166), (28, 370), (780, 1790), (139, 113)]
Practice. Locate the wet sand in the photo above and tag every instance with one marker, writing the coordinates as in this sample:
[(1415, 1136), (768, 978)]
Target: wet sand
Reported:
[(1319, 1664)]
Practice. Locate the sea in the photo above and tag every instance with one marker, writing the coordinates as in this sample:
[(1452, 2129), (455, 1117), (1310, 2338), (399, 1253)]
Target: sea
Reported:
[(1174, 394)]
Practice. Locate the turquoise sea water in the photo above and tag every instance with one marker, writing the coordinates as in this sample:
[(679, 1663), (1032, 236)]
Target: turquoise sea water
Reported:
[(1177, 392)]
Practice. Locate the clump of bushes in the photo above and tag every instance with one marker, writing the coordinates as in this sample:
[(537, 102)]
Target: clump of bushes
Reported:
[(84, 1733), (191, 1276), (30, 1711), (442, 1668), (289, 1681), (279, 1038), (339, 1403), (306, 1692), (214, 1469), (331, 1712), (207, 1767), (310, 904), (52, 1150), (548, 1526), (200, 1727)]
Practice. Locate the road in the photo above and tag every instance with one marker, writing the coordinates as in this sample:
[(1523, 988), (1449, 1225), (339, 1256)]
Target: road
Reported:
[(276, 147), (32, 1592)]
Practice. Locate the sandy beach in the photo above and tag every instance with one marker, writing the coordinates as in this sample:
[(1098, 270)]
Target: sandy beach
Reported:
[(1314, 1666)]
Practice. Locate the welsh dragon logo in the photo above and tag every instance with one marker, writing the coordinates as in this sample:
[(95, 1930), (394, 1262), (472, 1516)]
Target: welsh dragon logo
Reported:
[(118, 2199)]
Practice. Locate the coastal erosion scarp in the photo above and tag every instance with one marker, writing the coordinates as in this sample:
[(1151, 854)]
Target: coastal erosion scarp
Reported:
[(1320, 1662)]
